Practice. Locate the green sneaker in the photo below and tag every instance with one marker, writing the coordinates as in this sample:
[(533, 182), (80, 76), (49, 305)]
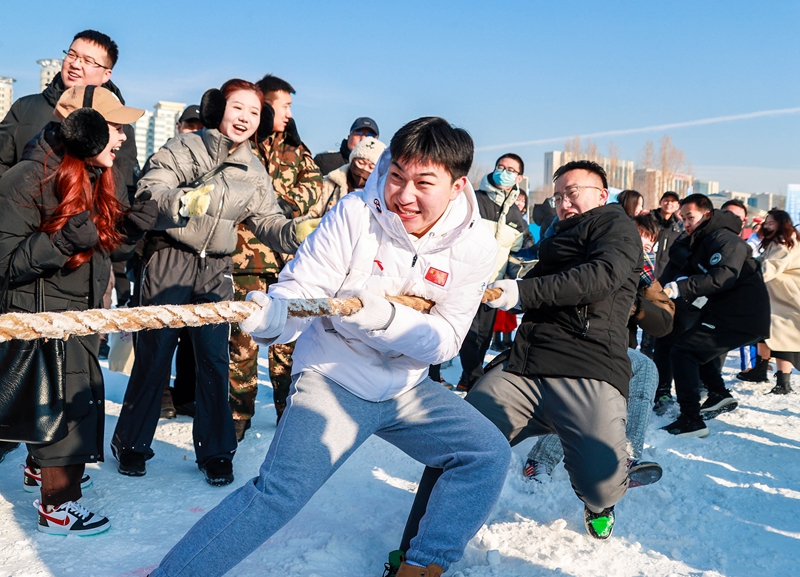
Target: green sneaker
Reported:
[(395, 559), (599, 525)]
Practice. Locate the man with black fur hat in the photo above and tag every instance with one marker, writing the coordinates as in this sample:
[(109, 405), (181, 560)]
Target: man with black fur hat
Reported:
[(362, 127), (297, 184)]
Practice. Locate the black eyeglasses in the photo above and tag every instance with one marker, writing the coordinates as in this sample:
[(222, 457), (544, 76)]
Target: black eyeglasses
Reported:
[(507, 169), (571, 193), (71, 56)]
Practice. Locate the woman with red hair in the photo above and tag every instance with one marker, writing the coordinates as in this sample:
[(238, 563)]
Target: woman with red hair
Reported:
[(205, 183), (64, 215)]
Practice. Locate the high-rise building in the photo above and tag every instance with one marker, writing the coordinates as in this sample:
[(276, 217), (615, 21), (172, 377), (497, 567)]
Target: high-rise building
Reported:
[(6, 95), (619, 172), (652, 183), (155, 128), (50, 67), (707, 187), (793, 202)]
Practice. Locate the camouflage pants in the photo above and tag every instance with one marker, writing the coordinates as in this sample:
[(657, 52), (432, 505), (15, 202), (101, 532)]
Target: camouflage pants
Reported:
[(244, 359)]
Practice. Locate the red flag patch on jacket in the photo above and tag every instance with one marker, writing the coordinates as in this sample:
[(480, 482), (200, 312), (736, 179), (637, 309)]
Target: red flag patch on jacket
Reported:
[(436, 276)]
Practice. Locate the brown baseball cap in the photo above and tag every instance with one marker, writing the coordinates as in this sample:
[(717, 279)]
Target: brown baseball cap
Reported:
[(98, 98)]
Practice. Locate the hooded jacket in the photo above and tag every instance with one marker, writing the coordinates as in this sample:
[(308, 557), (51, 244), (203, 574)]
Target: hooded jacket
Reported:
[(24, 205), (577, 300), (242, 193), (720, 267), (359, 244), (29, 114), (504, 221)]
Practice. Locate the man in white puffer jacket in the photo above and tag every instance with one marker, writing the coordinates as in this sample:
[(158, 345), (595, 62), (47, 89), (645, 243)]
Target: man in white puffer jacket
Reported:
[(411, 231)]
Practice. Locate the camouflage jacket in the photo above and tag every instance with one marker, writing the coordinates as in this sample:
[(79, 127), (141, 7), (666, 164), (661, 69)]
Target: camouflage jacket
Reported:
[(297, 183)]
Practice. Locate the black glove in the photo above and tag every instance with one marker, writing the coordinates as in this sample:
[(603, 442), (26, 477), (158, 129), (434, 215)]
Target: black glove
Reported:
[(78, 235), (142, 216)]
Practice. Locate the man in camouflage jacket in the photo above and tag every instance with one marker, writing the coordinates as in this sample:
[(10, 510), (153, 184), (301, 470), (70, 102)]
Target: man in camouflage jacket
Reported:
[(298, 183)]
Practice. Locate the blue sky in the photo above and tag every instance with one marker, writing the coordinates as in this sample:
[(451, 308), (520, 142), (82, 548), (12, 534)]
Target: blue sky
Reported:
[(508, 72)]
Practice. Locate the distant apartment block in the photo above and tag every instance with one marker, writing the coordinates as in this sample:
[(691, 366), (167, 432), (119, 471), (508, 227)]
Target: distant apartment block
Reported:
[(156, 127), (50, 67), (793, 202), (6, 95), (620, 172), (652, 183), (707, 187)]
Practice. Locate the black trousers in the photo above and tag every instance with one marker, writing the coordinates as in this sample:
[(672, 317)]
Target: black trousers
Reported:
[(176, 277), (475, 345), (701, 346)]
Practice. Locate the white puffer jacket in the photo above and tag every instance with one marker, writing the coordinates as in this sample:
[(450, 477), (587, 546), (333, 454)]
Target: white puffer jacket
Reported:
[(359, 244)]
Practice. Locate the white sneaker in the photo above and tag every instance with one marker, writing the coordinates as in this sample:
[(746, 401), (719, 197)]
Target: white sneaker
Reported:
[(32, 480), (70, 518)]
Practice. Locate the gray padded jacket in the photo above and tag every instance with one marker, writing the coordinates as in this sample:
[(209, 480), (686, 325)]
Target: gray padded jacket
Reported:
[(242, 193)]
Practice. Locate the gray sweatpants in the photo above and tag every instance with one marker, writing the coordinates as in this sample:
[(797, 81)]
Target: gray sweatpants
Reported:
[(588, 415), (642, 387)]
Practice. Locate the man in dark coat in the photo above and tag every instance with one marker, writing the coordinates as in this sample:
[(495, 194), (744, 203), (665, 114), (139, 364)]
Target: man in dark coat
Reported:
[(568, 369), (333, 159), (88, 62), (721, 278), (671, 229)]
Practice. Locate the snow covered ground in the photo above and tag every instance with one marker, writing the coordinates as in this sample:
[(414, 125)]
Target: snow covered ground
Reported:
[(728, 505)]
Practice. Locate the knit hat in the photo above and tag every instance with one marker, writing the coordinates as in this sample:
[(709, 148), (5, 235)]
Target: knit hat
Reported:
[(369, 149)]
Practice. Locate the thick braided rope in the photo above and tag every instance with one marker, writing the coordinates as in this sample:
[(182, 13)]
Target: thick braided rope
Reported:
[(28, 326)]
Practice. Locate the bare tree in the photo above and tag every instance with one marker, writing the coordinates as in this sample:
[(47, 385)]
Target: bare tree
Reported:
[(477, 172), (613, 163)]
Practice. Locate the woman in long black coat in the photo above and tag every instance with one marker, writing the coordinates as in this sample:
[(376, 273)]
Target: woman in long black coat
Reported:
[(64, 215)]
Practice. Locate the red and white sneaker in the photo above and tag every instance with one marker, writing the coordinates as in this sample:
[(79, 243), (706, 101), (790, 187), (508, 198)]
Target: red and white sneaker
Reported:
[(70, 518), (32, 480)]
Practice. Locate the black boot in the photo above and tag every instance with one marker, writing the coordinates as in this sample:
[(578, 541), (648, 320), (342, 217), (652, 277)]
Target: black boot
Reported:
[(507, 341), (783, 387), (497, 343), (757, 374)]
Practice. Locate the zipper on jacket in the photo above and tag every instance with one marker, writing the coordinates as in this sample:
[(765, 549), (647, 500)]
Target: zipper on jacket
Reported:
[(414, 261), (213, 228), (585, 317)]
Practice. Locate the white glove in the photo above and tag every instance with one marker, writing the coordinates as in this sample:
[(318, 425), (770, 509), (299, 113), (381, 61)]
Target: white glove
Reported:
[(375, 314), (270, 320), (671, 290), (510, 297), (196, 202)]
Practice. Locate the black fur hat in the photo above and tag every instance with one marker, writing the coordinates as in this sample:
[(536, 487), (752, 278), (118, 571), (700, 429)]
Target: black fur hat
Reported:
[(212, 108), (84, 133), (266, 122)]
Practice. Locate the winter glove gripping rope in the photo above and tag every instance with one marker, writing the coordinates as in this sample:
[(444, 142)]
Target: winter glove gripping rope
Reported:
[(509, 298), (376, 312)]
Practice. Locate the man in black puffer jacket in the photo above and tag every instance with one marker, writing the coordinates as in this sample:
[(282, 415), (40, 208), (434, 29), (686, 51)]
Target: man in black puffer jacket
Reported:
[(722, 279), (88, 62), (568, 371)]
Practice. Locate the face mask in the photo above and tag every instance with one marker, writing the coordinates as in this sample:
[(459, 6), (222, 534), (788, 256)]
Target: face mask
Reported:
[(504, 178)]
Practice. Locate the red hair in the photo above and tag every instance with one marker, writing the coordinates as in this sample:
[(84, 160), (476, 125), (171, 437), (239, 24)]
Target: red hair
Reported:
[(74, 191), (235, 84)]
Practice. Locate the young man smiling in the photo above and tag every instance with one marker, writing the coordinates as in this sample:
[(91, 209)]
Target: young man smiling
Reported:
[(88, 62), (412, 230)]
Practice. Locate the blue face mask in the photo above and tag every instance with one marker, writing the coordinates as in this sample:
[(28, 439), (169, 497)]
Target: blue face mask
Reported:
[(504, 178)]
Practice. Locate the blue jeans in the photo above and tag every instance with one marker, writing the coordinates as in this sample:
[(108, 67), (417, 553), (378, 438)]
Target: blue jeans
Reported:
[(642, 387), (322, 426)]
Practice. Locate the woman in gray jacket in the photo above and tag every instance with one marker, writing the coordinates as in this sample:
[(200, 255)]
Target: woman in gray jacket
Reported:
[(205, 183)]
